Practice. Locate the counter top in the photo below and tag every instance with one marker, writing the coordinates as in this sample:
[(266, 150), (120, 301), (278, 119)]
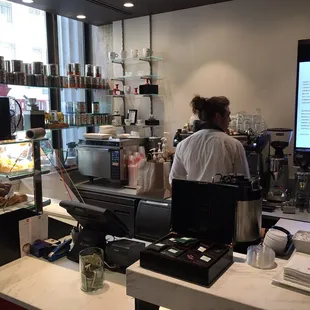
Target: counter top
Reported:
[(241, 287), (278, 213), (36, 284)]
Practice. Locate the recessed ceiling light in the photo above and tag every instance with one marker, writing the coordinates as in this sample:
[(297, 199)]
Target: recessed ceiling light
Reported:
[(128, 5), (27, 1), (81, 17)]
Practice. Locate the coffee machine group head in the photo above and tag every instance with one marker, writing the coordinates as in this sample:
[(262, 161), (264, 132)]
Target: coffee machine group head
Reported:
[(280, 139)]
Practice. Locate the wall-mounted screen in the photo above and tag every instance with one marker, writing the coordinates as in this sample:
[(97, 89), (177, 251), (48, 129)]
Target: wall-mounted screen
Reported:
[(302, 113)]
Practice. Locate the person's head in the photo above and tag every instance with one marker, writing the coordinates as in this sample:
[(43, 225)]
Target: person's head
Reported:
[(214, 110)]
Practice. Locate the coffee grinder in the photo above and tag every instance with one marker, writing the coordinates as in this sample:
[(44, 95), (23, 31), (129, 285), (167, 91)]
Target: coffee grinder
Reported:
[(280, 139), (302, 181)]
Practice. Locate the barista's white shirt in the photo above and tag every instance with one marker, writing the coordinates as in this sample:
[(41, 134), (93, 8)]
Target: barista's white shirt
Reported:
[(206, 153)]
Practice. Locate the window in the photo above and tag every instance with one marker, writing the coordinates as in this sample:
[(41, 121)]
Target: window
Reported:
[(70, 50), (8, 50), (6, 11), (24, 38), (34, 11)]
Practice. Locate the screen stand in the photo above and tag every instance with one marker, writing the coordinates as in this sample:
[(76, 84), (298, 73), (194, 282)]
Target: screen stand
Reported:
[(86, 238)]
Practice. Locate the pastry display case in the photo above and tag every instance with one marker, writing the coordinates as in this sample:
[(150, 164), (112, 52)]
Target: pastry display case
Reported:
[(19, 159)]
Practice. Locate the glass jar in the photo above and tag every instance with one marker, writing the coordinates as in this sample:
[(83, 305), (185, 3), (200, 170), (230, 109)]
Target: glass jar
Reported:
[(91, 261)]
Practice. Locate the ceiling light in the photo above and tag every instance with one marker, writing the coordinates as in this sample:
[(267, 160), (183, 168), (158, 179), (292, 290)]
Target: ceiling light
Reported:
[(128, 5), (27, 1), (81, 17)]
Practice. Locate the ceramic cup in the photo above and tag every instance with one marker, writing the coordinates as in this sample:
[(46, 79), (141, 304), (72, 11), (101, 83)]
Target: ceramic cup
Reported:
[(123, 54), (146, 52), (134, 53), (127, 122), (112, 55), (127, 90), (140, 122)]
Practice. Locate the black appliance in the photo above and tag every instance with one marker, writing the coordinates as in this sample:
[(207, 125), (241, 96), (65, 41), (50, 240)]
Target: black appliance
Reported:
[(123, 206), (34, 119), (123, 253), (5, 124), (153, 220), (199, 249), (148, 89), (97, 223)]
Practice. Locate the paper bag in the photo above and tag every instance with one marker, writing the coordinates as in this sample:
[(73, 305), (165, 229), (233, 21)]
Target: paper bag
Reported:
[(153, 180)]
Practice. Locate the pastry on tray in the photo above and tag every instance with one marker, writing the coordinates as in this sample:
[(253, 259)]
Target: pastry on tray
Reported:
[(15, 199)]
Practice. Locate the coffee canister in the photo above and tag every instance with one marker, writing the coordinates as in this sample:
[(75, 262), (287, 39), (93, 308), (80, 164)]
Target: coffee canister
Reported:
[(19, 78), (95, 107), (97, 71), (64, 82), (10, 78), (39, 80), (89, 70), (52, 69), (2, 77), (70, 70), (30, 80), (70, 119), (95, 83), (28, 68), (97, 119), (78, 119), (37, 67), (83, 81), (7, 66), (2, 67), (83, 119), (89, 119), (89, 82), (17, 65), (76, 69), (71, 81), (81, 107), (78, 81)]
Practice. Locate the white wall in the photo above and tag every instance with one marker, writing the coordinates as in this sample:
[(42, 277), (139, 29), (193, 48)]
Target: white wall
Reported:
[(244, 49)]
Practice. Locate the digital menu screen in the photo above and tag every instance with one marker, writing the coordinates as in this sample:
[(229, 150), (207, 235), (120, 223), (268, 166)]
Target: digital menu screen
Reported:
[(303, 107), (302, 111)]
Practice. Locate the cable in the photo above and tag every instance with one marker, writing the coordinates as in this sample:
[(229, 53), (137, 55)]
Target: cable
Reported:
[(20, 111)]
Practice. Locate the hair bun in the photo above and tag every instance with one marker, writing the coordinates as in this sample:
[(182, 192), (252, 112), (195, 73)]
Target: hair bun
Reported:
[(198, 103)]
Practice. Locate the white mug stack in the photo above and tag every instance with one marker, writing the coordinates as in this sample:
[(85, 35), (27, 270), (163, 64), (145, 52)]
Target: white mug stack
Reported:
[(146, 52), (134, 53), (276, 240)]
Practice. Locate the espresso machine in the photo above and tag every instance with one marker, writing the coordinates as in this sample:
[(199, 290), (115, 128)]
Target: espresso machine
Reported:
[(302, 181), (280, 139)]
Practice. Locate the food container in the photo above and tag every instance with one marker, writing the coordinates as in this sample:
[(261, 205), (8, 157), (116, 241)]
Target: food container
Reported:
[(83, 82), (71, 81), (97, 71), (28, 68), (76, 69), (37, 67), (64, 82), (89, 82), (30, 80), (89, 70), (7, 66), (2, 67), (91, 269), (83, 119), (39, 80), (301, 241), (95, 107), (17, 65), (2, 77), (81, 107), (52, 69), (70, 119), (97, 119), (19, 78), (89, 120), (70, 69)]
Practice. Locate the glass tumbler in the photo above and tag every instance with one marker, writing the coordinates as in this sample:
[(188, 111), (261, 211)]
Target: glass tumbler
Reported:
[(91, 262)]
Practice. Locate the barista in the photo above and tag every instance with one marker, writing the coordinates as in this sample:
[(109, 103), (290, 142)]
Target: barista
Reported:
[(210, 150)]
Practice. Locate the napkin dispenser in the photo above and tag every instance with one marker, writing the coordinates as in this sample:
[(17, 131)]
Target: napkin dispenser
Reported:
[(199, 249)]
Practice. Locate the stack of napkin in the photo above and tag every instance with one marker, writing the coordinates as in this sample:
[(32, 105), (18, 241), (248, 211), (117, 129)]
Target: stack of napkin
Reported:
[(297, 269)]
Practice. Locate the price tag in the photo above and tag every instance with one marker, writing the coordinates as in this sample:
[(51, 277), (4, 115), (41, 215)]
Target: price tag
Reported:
[(201, 249), (172, 240), (173, 251), (159, 244), (205, 258)]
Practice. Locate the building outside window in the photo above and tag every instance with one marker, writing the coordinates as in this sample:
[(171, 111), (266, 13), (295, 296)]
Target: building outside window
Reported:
[(23, 37)]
